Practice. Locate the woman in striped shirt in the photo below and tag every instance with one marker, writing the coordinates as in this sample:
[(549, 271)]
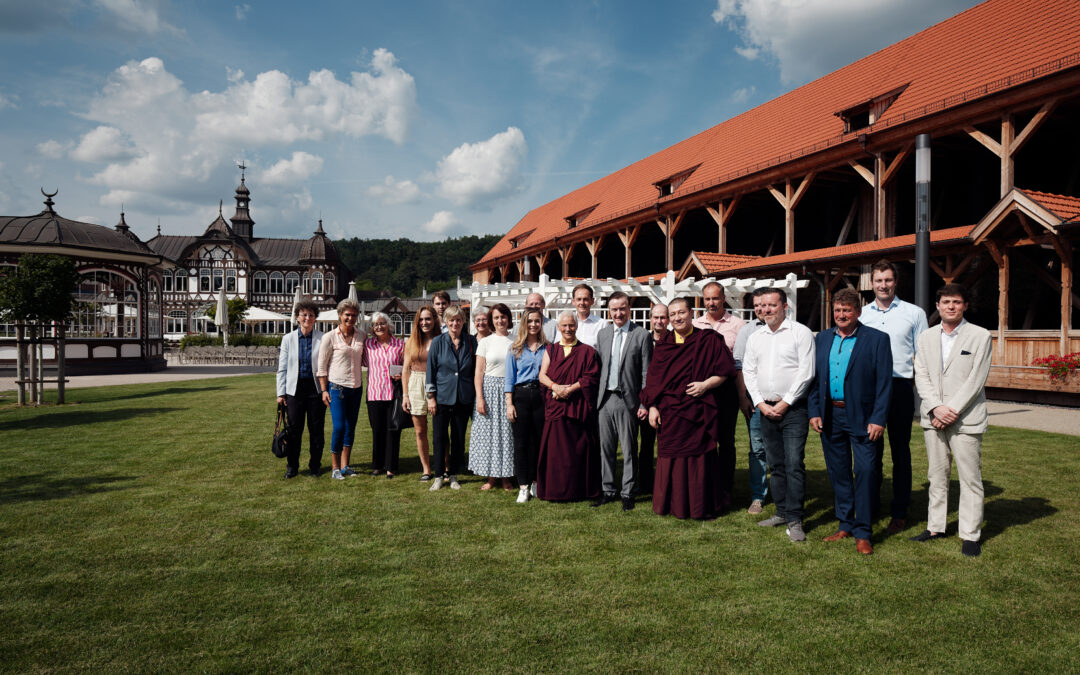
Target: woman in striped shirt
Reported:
[(383, 356)]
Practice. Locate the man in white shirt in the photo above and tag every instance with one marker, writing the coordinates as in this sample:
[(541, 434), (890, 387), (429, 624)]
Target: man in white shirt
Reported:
[(903, 322), (551, 327), (952, 363), (778, 368), (588, 324)]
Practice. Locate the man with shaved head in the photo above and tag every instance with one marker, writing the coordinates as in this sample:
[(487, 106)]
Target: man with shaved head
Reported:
[(551, 327)]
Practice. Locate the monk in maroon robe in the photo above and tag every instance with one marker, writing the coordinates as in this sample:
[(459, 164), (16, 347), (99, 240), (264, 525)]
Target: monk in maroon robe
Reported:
[(569, 463), (687, 373)]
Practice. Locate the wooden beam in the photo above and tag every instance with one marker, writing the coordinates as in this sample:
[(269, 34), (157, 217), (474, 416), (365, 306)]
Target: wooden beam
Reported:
[(846, 229), (896, 162), (677, 223), (867, 174), (940, 272), (542, 260), (789, 219), (1033, 124), (879, 197), (566, 252), (1066, 294), (780, 197), (803, 187), (1008, 167), (594, 246), (628, 237), (1003, 303), (989, 143)]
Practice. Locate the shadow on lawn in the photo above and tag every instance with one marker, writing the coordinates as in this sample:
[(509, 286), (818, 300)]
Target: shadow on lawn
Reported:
[(1001, 514), (161, 392), (71, 417), (42, 486)]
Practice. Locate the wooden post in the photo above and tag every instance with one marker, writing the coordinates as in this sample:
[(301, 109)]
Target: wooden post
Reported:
[(722, 215), (594, 246), (566, 252), (1008, 167), (669, 227), (879, 196), (789, 199), (20, 362), (628, 237), (1003, 305)]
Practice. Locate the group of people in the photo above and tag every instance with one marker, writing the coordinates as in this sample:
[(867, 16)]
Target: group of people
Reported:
[(552, 401)]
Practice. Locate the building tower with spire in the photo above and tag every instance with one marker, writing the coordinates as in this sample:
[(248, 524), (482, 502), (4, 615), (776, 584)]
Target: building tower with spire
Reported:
[(242, 224)]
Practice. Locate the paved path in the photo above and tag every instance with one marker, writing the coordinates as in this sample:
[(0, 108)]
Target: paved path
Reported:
[(1002, 413)]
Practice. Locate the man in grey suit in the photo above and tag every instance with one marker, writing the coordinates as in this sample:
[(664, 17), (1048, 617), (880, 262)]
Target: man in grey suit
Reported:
[(952, 362), (625, 351)]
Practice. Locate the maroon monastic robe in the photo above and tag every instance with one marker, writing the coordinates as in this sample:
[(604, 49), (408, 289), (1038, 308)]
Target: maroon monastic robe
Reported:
[(569, 466), (687, 481)]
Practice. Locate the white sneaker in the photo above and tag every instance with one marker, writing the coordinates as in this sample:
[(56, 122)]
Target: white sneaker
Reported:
[(532, 489), (436, 484), (523, 495), (454, 485), (337, 475)]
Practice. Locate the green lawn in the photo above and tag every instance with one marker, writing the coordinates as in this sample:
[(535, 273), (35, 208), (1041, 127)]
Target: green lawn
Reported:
[(148, 528)]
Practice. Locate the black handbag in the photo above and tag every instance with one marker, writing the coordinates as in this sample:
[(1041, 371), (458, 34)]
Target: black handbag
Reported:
[(281, 433), (399, 419)]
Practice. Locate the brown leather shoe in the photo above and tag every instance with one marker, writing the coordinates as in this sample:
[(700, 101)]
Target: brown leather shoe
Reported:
[(863, 546), (840, 534), (896, 526)]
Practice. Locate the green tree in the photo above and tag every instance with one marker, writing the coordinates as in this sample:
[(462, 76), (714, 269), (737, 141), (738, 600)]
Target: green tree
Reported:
[(40, 289), (236, 307)]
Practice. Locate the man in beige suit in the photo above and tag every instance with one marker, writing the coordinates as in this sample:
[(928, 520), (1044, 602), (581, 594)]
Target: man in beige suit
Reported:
[(952, 361)]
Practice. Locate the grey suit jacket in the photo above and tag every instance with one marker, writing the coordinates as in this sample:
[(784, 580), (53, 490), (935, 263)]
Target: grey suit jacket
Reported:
[(961, 383), (636, 354)]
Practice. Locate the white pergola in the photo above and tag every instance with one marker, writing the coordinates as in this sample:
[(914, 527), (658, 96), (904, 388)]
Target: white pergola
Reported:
[(663, 289)]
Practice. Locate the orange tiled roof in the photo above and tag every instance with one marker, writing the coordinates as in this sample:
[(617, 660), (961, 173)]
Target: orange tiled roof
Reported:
[(1065, 207), (966, 57), (859, 249), (718, 262)]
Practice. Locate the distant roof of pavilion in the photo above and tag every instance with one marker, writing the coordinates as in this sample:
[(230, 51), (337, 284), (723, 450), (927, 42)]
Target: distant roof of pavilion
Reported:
[(969, 56), (49, 228)]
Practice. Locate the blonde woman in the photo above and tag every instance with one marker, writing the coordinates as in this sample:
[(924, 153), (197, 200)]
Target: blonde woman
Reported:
[(341, 355), (426, 327), (525, 399)]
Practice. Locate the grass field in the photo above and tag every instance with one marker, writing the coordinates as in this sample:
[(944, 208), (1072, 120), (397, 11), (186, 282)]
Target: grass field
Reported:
[(148, 528)]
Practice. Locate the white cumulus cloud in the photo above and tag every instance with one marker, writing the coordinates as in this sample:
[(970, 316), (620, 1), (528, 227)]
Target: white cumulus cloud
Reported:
[(440, 223), (743, 94), (809, 38), (51, 149), (478, 172), (164, 144), (298, 168), (242, 11), (391, 192), (104, 144)]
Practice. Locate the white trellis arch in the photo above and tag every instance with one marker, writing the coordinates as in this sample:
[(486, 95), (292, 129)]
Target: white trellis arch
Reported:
[(663, 289)]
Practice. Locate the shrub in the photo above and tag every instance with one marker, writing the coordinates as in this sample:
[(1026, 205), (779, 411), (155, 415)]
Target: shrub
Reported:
[(241, 340), (1059, 366)]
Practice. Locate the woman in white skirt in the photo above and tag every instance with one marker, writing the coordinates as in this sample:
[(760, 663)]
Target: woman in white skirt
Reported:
[(426, 328), (491, 444)]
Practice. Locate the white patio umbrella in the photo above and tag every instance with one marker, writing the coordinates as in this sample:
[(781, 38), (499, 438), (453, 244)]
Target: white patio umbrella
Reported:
[(352, 291), (221, 317), (295, 302)]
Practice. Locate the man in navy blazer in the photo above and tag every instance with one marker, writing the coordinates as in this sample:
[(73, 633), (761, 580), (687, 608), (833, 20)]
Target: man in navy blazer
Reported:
[(849, 406)]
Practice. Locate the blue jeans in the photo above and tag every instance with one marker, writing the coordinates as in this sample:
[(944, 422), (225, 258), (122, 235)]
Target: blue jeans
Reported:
[(759, 467), (344, 408), (785, 448), (850, 451)]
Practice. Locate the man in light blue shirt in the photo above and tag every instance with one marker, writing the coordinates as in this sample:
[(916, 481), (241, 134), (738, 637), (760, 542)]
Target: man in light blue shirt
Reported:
[(903, 322)]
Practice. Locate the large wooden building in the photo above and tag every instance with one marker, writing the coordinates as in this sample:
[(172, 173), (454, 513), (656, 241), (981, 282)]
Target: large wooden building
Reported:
[(821, 182)]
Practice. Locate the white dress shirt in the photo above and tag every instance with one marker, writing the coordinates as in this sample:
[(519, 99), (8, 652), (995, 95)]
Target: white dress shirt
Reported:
[(589, 329), (779, 365), (947, 342)]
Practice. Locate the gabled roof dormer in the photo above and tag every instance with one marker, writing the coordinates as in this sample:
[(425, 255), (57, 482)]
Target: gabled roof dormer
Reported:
[(669, 185), (579, 217), (862, 115)]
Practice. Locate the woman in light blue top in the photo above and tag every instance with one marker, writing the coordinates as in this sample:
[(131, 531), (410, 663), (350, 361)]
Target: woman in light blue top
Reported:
[(525, 399)]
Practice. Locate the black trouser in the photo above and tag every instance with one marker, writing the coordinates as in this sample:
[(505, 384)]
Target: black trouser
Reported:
[(453, 419), (727, 401), (306, 404), (646, 444), (528, 428), (901, 415), (385, 442)]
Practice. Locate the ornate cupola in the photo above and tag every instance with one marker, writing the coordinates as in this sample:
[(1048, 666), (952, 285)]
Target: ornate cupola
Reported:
[(319, 249), (242, 224)]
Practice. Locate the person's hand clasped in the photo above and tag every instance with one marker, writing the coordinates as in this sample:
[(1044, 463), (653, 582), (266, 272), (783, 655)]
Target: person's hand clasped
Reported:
[(696, 389)]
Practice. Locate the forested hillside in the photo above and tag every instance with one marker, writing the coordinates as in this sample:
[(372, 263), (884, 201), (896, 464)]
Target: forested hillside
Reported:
[(404, 267)]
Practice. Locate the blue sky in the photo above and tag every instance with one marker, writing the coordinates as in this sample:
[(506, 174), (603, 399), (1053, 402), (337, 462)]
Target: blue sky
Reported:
[(408, 119)]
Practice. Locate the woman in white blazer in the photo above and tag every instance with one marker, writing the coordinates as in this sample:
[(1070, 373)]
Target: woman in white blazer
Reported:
[(298, 389)]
